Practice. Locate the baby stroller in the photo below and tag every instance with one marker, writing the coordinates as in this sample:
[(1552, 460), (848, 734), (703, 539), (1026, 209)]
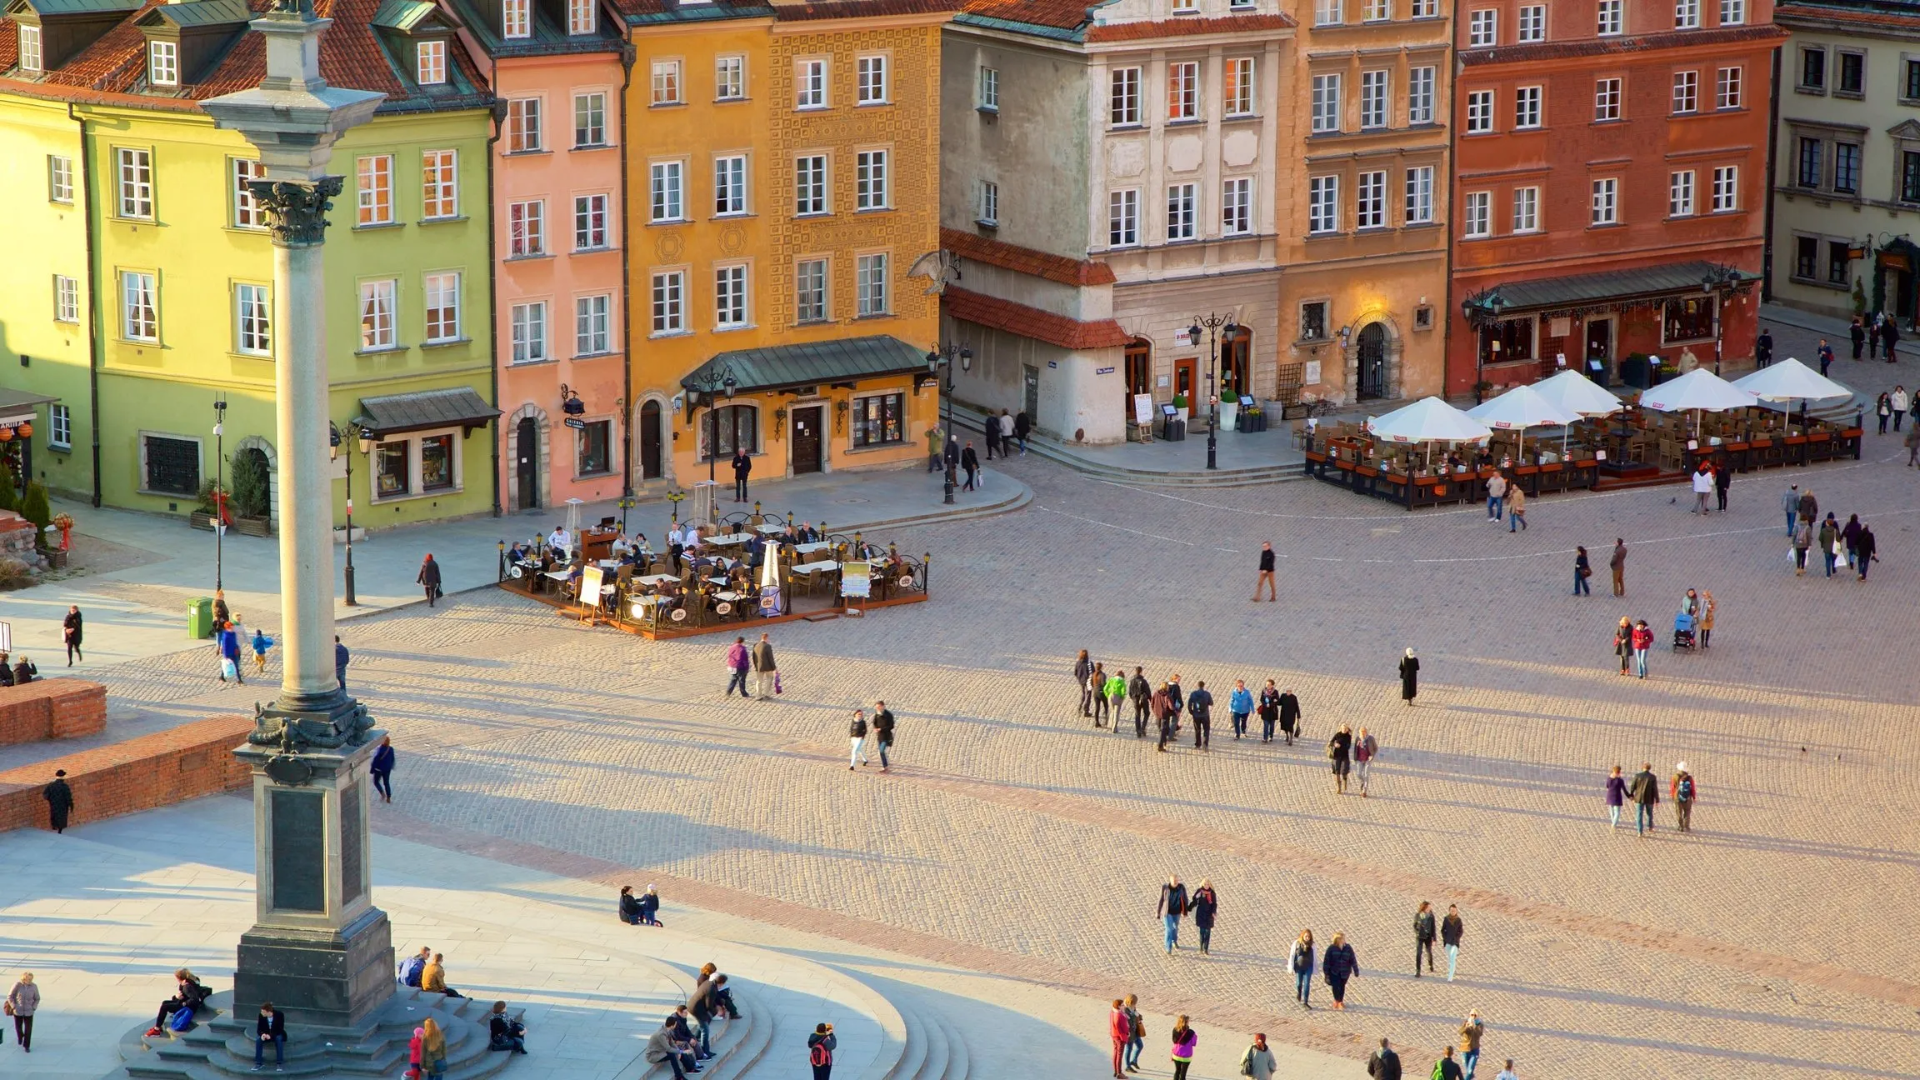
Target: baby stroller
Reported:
[(1683, 631)]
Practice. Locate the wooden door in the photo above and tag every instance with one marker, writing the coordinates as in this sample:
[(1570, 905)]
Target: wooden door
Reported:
[(1184, 381), (650, 456), (526, 444), (806, 440)]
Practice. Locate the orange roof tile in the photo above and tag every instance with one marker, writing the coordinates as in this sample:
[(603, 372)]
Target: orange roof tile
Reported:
[(998, 314), (861, 9), (1868, 17), (1062, 14), (9, 44), (1025, 260), (1165, 28), (1677, 39)]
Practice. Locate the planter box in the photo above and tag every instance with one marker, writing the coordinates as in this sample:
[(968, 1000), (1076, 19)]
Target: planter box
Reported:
[(200, 520), (340, 535), (259, 526)]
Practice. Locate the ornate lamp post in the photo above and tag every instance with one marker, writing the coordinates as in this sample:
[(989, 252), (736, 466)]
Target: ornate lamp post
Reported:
[(336, 444), (944, 356), (219, 484), (1218, 327), (710, 384)]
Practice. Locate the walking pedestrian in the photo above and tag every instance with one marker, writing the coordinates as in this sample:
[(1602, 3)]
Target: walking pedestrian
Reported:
[(340, 659), (1858, 334), (1173, 904), (227, 641), (1802, 540), (1240, 704), (1722, 482), (1177, 698), (1618, 563), (1707, 607), (1365, 749), (820, 1047), (1300, 962), (1142, 693), (59, 797), (1645, 793), (1116, 692), (1451, 929), (1471, 1031), (857, 739), (1850, 536), (1005, 421), (738, 663), (1582, 570), (970, 462), (1022, 427), (1702, 486), (1683, 791), (1873, 336), (1184, 1039), (1339, 965), (1446, 1068), (1763, 348), (1163, 715), (766, 671), (1409, 677), (1829, 540), (22, 1002), (952, 455), (883, 732), (1496, 492), (1384, 1063), (1340, 754), (742, 469), (1265, 576), (261, 643), (1865, 550), (993, 439), (1825, 355), (1623, 643), (1083, 667), (1204, 905), (1889, 337), (1809, 507), (1096, 692), (1616, 796), (1883, 408), (1258, 1061), (429, 578), (1290, 716), (1269, 710), (381, 768), (433, 1049), (1516, 508), (1200, 711), (1790, 505), (1507, 1073), (1642, 641), (71, 626), (933, 449), (1424, 933), (1139, 1041), (1121, 1031), (1913, 442)]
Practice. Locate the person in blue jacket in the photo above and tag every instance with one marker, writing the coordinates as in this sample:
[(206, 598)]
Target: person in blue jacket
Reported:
[(382, 768), (1240, 704)]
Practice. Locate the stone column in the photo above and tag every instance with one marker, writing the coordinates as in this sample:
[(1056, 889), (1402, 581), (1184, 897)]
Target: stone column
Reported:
[(319, 950)]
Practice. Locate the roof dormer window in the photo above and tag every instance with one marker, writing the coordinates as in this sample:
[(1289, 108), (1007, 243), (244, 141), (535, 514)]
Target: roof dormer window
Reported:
[(581, 17), (430, 62), (30, 49), (516, 18), (163, 63)]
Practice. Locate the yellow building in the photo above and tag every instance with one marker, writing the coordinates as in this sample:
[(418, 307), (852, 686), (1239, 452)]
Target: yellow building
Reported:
[(785, 178)]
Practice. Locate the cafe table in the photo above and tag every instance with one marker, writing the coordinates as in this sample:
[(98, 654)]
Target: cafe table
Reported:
[(810, 548), (729, 539)]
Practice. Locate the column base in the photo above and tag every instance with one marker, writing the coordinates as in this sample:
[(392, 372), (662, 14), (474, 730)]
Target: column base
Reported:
[(319, 978)]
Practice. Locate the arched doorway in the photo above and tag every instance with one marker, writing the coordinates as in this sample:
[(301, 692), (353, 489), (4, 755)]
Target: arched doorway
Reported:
[(1139, 368), (526, 449), (1236, 364), (652, 457), (252, 485), (1372, 362)]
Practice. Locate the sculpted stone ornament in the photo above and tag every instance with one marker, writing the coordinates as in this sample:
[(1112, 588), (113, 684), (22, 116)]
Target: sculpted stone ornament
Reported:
[(296, 733), (297, 213)]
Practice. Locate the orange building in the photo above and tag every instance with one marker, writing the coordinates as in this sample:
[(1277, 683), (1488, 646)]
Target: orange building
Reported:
[(1610, 195)]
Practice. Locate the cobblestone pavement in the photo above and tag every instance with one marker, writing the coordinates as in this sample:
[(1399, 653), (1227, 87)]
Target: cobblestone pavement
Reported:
[(1015, 839)]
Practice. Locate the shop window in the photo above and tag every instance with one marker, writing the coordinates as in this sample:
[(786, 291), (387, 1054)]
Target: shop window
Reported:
[(173, 465), (390, 469), (595, 439), (1688, 319), (879, 420), (1313, 321), (436, 463), (731, 426), (1806, 256), (1506, 340)]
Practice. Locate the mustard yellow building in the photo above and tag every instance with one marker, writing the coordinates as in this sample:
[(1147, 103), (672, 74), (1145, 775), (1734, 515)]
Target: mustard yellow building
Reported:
[(784, 179)]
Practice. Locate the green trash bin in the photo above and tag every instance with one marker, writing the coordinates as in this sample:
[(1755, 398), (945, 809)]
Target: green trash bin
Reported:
[(200, 617)]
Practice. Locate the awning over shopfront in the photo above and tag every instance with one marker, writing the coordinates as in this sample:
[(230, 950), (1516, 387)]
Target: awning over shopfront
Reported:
[(1579, 294), (783, 367), (397, 414), (16, 406)]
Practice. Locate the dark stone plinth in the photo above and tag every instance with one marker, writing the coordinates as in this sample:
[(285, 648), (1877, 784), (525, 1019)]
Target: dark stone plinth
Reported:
[(317, 977)]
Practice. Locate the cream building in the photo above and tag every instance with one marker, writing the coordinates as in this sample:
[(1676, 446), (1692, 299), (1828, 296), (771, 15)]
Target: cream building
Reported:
[(1847, 178), (1108, 177)]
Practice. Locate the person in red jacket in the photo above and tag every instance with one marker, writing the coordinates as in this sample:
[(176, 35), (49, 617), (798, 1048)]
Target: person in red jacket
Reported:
[(1120, 1027), (1642, 641)]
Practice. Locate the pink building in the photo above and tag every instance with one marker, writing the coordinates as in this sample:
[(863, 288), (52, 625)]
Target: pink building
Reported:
[(558, 248)]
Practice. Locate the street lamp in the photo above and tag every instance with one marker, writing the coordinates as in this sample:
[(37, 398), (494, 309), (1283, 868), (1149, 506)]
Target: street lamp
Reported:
[(1218, 327), (336, 440), (946, 355), (709, 384), (219, 492)]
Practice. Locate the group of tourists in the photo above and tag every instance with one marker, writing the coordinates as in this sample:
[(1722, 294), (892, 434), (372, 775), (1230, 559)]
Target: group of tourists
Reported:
[(1104, 694), (1853, 542), (1643, 791)]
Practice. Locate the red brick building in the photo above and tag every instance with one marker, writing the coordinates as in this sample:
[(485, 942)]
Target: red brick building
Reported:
[(1610, 193)]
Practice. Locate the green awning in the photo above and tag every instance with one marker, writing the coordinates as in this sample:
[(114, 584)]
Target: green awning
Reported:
[(200, 13), (1603, 287), (782, 366), (396, 414)]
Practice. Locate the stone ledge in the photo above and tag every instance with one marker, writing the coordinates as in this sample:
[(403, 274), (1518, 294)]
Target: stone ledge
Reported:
[(51, 709), (140, 774)]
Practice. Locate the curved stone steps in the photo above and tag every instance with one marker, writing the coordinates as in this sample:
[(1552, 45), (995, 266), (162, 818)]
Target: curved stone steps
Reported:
[(739, 1045), (958, 1060)]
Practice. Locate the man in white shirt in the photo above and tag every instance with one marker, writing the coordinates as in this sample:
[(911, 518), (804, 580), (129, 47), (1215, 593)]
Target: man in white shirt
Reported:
[(1702, 487), (560, 539)]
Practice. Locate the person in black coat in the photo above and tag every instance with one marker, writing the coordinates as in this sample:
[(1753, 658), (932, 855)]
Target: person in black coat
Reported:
[(1889, 337), (504, 1032), (1864, 546), (1204, 905), (1022, 427), (1338, 965), (271, 1027), (1141, 691), (742, 468), (1409, 677), (59, 800), (969, 461), (1270, 702), (629, 906), (882, 731), (429, 578), (70, 630), (1200, 710), (1384, 1064)]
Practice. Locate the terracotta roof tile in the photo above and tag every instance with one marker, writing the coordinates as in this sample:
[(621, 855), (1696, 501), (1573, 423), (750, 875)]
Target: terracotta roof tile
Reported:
[(1062, 14), (1561, 50), (9, 44), (861, 9), (991, 311), (1862, 16), (112, 62), (1166, 28), (1025, 260)]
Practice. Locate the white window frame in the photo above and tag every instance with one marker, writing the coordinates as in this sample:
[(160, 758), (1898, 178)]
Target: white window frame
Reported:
[(1376, 11), (1610, 18), (667, 305), (1325, 104), (1686, 92), (873, 297), (590, 120), (1726, 189), (1479, 112), (1526, 210), (1183, 91), (729, 78), (1420, 84), (872, 181), (373, 190), (811, 295), (1236, 206), (583, 17), (1327, 13), (1607, 94), (442, 308), (730, 296), (1426, 9), (989, 203), (133, 176), (379, 316), (987, 90), (1323, 205), (811, 186), (593, 325), (1375, 89), (870, 80), (1419, 191), (729, 185), (430, 62), (1604, 206), (1483, 28), (593, 222), (668, 84), (439, 184), (1370, 200), (810, 83), (139, 306), (60, 421), (1123, 218), (527, 332), (247, 211), (667, 192), (1729, 91), (1123, 97), (516, 19), (163, 63), (525, 134), (1183, 217), (1527, 107), (1733, 12), (252, 320), (66, 299), (32, 56), (1237, 85), (1476, 215), (1686, 14), (1531, 24), (59, 176)]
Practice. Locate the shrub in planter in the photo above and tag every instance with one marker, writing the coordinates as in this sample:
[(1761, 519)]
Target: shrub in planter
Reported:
[(251, 487), (34, 508), (1180, 401)]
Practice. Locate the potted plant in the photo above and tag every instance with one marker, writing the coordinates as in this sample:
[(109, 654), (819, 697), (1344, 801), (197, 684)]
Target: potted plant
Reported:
[(251, 494), (211, 495), (1229, 408)]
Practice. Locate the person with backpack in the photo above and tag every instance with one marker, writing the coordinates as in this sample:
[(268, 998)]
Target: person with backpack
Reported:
[(1200, 711), (176, 1013), (415, 966), (857, 739), (820, 1046), (1684, 791), (1446, 1068), (1141, 691), (1424, 933), (1184, 1040), (1300, 962), (1116, 694), (1163, 715), (1258, 1061), (1384, 1064), (1173, 904)]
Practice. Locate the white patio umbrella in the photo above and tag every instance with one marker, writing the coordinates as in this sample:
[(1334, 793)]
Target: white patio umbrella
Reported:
[(1519, 409), (1698, 390), (1577, 394), (1789, 380), (1428, 420)]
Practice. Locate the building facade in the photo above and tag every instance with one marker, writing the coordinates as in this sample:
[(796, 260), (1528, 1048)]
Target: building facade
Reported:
[(1847, 171), (1108, 183), (558, 218), (176, 308), (1610, 192), (783, 181), (1364, 199)]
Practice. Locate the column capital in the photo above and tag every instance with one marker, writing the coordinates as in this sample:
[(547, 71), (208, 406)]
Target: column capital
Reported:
[(297, 212)]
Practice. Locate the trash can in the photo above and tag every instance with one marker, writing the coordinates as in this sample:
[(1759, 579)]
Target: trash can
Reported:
[(200, 617)]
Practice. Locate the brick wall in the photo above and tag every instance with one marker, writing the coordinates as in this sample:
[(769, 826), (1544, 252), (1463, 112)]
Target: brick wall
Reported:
[(140, 774), (51, 709)]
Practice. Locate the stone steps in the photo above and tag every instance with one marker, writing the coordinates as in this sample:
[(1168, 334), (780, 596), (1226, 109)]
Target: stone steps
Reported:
[(1118, 474)]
